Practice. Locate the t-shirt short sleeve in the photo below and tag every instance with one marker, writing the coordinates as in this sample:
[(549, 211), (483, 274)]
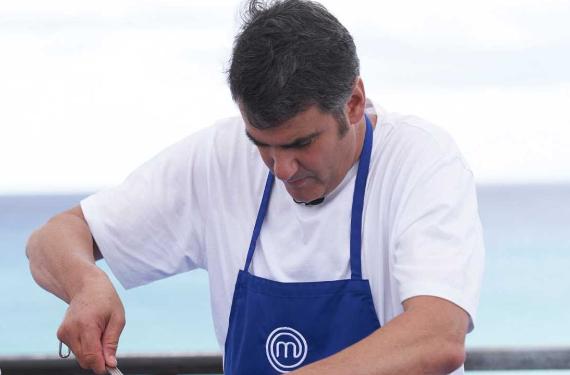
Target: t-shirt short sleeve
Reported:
[(439, 247), (150, 226)]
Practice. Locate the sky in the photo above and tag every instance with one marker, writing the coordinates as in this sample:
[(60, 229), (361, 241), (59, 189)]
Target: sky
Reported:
[(89, 90)]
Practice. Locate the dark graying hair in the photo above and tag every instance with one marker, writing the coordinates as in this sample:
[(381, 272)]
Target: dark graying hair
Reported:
[(288, 56)]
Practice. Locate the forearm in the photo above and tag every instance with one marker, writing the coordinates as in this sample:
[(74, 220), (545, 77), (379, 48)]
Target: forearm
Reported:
[(62, 256), (420, 341)]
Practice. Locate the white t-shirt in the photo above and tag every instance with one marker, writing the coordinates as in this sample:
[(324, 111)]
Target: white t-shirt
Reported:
[(194, 206)]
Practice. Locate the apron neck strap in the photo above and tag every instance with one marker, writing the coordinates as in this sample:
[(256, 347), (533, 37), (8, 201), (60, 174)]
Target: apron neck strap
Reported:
[(260, 216), (358, 204), (357, 207)]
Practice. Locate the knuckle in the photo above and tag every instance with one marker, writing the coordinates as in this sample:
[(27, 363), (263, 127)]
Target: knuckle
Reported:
[(61, 334), (86, 326), (112, 347), (111, 343), (88, 360), (64, 333), (122, 321)]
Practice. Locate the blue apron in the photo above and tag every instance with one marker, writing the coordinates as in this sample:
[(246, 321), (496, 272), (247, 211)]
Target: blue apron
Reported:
[(277, 327)]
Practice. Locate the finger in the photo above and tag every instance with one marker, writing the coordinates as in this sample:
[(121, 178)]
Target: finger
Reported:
[(73, 342), (90, 355), (111, 338), (68, 339)]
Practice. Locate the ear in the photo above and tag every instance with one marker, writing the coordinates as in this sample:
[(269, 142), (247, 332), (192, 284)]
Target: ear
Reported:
[(356, 103)]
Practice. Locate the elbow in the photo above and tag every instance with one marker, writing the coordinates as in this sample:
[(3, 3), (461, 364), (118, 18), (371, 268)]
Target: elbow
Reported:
[(31, 244), (33, 253), (35, 245), (449, 356), (38, 238), (455, 358)]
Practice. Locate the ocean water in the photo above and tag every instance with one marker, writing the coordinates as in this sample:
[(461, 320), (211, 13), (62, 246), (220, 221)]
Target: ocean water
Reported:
[(524, 300)]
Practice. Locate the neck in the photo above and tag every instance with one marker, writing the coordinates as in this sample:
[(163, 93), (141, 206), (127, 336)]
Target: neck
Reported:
[(360, 134)]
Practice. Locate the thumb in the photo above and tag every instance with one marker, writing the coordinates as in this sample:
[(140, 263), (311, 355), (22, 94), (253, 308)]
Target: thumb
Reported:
[(110, 340)]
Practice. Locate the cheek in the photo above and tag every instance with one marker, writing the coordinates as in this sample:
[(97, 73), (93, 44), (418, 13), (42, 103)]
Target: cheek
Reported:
[(314, 162), (332, 158)]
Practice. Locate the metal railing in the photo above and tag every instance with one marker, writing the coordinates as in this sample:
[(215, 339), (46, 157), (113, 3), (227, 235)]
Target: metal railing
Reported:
[(481, 359), (493, 359)]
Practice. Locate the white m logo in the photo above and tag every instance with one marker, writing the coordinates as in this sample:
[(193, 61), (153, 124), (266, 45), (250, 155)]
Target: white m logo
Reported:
[(285, 345), (286, 349)]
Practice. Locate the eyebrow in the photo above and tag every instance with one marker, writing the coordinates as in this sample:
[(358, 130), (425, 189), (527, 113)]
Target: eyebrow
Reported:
[(298, 142)]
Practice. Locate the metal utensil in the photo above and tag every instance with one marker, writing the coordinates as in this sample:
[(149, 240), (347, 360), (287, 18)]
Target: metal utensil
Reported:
[(61, 355), (113, 371), (110, 370)]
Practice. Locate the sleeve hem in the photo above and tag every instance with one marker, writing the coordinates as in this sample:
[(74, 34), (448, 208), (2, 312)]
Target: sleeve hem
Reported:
[(452, 295)]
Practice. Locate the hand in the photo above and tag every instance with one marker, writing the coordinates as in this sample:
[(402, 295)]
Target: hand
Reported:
[(92, 325)]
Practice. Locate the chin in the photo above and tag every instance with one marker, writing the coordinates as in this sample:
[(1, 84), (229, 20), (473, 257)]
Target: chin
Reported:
[(305, 191), (303, 196)]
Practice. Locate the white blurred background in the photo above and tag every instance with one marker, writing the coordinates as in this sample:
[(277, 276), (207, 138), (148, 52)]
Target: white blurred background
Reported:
[(91, 89)]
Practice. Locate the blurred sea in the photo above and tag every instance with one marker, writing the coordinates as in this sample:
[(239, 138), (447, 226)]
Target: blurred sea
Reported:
[(524, 301)]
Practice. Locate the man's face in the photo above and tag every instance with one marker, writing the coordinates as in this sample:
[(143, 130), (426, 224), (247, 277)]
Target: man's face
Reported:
[(307, 153)]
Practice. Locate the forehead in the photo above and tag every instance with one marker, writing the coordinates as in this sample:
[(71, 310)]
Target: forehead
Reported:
[(304, 124)]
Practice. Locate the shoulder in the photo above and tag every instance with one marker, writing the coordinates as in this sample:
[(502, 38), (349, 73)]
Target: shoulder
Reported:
[(221, 133), (413, 157), (413, 143), (218, 143), (227, 130), (227, 136), (229, 150)]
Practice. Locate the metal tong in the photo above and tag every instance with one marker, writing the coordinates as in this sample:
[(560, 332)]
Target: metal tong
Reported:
[(110, 370), (113, 371)]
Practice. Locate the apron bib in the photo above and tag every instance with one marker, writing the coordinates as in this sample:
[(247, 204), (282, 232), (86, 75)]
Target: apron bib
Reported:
[(276, 327)]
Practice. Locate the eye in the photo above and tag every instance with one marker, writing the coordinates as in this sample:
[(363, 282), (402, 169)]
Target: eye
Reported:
[(301, 144), (306, 143)]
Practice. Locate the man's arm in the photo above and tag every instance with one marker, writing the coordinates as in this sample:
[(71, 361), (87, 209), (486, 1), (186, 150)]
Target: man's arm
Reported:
[(62, 257), (428, 338)]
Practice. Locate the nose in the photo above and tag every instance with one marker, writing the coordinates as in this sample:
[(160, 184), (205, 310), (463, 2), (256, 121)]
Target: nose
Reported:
[(283, 163)]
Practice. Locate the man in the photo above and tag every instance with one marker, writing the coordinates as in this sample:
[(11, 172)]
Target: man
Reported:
[(366, 254)]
